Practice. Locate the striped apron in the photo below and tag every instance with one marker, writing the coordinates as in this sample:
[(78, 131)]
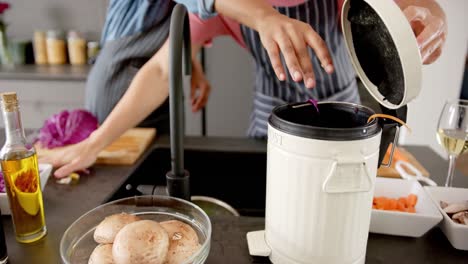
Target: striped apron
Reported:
[(269, 92), (119, 61)]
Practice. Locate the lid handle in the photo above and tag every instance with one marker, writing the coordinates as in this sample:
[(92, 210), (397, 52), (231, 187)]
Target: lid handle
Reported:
[(390, 131)]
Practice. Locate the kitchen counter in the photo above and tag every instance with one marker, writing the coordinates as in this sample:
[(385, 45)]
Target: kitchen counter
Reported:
[(65, 203), (45, 72)]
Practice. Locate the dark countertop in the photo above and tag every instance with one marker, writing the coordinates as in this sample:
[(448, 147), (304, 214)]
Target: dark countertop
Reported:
[(45, 72), (65, 203)]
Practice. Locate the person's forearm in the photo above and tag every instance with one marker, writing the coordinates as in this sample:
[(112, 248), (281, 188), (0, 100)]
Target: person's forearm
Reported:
[(247, 12), (195, 50), (147, 91)]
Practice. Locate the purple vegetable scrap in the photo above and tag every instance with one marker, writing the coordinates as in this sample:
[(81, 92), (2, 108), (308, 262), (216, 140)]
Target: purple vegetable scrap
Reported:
[(314, 103)]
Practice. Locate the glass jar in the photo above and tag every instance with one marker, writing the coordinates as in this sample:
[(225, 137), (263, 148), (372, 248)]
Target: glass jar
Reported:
[(40, 48), (56, 47), (93, 51), (77, 52)]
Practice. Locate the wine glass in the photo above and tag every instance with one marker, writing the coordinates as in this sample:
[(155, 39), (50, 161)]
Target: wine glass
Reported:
[(452, 133)]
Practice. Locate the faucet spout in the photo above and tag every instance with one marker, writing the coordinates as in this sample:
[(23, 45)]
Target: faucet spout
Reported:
[(178, 184)]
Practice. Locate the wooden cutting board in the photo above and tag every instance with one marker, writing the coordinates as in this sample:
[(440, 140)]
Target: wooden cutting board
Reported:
[(124, 151), (391, 172), (462, 164)]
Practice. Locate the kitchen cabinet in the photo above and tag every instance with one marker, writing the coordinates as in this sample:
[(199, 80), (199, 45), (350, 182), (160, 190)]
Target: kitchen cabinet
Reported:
[(44, 90), (40, 99)]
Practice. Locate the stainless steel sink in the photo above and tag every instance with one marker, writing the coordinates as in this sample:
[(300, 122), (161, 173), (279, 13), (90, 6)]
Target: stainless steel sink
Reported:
[(233, 171)]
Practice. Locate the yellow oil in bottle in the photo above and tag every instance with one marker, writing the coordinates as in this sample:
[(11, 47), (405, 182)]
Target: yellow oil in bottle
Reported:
[(22, 181)]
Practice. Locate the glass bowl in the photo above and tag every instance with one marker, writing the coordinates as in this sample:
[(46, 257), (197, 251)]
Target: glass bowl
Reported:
[(77, 242)]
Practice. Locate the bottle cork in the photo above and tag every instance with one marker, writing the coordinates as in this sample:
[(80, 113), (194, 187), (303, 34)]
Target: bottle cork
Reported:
[(9, 101)]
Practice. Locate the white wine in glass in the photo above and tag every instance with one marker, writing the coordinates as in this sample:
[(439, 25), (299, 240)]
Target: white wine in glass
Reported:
[(454, 141), (452, 133)]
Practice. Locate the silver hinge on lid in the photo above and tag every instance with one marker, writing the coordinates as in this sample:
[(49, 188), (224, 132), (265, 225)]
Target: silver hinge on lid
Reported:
[(395, 140)]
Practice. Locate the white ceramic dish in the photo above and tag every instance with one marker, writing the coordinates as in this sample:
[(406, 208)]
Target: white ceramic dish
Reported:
[(399, 223), (456, 233), (45, 171)]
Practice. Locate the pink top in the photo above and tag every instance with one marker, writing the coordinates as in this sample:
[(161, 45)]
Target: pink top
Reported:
[(203, 31)]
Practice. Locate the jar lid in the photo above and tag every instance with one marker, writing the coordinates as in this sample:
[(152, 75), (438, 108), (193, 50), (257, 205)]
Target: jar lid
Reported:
[(383, 50), (55, 34), (73, 34), (93, 44)]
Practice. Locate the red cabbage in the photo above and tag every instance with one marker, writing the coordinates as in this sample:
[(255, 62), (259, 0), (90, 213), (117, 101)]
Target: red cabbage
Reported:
[(67, 127)]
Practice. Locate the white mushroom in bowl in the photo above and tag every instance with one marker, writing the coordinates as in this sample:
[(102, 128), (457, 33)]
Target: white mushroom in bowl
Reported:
[(102, 254), (109, 227), (183, 241), (141, 242)]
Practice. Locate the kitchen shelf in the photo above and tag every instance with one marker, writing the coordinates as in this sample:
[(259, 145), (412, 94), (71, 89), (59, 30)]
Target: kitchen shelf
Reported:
[(45, 72)]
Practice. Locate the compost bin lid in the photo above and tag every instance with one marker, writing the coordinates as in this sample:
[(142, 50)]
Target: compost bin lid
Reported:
[(383, 50)]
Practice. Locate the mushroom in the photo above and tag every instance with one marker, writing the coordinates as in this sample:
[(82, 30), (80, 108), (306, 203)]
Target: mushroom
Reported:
[(183, 241), (141, 242), (443, 204), (461, 217), (102, 254), (109, 227), (456, 207)]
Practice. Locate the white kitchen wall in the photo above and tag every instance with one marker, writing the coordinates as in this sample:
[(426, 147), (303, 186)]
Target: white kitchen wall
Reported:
[(230, 71), (441, 80), (25, 16)]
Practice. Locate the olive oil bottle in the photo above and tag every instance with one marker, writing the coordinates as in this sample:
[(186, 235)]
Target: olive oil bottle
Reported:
[(3, 246), (21, 172)]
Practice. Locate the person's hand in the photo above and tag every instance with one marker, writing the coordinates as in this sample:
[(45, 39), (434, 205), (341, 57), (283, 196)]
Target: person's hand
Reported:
[(200, 87), (291, 37), (72, 158), (427, 20)]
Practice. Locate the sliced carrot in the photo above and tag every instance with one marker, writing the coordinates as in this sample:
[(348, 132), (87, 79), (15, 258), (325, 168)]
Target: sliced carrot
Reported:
[(403, 201), (387, 204), (401, 206), (392, 204), (380, 203), (374, 116), (412, 200)]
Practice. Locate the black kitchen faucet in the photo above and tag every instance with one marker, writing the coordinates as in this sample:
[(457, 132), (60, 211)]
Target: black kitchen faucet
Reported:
[(178, 179)]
